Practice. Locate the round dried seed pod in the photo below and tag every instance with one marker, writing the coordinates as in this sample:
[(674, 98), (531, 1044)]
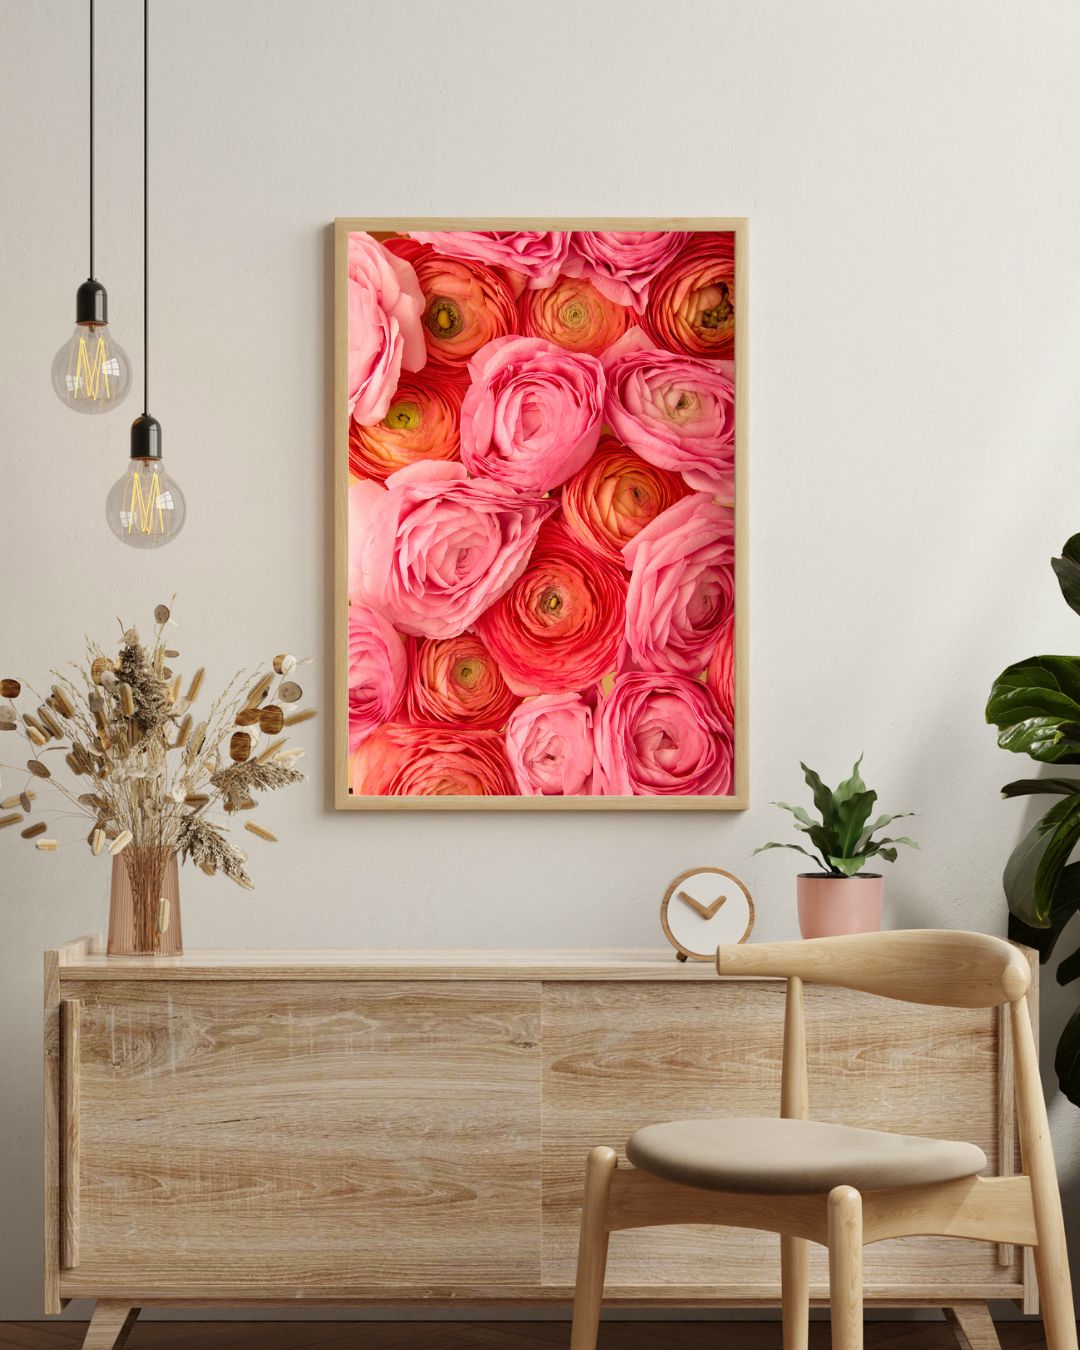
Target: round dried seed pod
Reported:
[(271, 720), (10, 688), (247, 717), (37, 768), (290, 692), (162, 613), (239, 746), (26, 800), (284, 664)]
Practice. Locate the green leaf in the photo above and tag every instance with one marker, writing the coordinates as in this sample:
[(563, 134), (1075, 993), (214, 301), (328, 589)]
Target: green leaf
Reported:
[(850, 786), (851, 815), (1061, 841), (802, 814), (849, 866), (1067, 1059), (1019, 876), (899, 839), (880, 824), (798, 849), (1065, 903), (889, 854), (1035, 705), (1028, 787), (823, 797), (1067, 570), (1069, 969)]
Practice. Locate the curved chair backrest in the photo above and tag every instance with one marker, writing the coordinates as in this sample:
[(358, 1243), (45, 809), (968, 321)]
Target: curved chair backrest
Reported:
[(941, 968)]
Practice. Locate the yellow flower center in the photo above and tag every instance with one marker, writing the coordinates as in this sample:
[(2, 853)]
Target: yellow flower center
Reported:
[(403, 417), (443, 317)]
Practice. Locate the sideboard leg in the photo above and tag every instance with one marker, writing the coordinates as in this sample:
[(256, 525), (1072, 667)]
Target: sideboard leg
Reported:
[(973, 1325), (110, 1325)]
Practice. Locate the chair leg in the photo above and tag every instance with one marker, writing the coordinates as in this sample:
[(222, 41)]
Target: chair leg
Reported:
[(592, 1249), (845, 1268), (973, 1325), (1052, 1272), (795, 1284)]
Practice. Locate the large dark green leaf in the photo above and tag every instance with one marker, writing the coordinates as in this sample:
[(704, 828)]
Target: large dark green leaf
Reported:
[(1066, 903), (852, 813), (1061, 841), (1069, 969), (1067, 569), (1019, 877), (1067, 1059), (1027, 787), (1035, 705)]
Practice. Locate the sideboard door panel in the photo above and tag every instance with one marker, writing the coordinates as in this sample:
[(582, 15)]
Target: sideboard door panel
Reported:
[(619, 1056), (294, 1138)]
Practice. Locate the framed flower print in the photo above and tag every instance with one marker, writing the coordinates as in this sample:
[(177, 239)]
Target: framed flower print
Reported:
[(540, 478)]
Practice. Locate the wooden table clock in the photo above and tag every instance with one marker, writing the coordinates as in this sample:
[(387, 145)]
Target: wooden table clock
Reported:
[(703, 909)]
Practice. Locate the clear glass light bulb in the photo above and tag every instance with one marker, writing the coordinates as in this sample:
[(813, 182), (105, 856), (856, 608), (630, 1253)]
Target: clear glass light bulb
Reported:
[(145, 508), (91, 373)]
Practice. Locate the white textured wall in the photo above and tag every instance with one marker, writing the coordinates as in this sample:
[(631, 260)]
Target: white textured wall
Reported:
[(910, 176)]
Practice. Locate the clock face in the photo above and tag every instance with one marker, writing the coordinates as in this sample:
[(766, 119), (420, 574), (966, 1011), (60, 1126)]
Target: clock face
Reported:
[(705, 909)]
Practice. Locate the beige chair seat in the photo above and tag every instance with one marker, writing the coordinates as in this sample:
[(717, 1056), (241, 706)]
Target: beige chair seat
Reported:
[(795, 1157)]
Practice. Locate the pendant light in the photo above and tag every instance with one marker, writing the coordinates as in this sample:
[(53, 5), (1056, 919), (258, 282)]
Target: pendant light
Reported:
[(145, 508), (91, 373)]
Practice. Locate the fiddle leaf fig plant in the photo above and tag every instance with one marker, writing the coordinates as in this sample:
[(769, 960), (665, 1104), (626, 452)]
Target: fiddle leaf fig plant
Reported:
[(1035, 705), (843, 835)]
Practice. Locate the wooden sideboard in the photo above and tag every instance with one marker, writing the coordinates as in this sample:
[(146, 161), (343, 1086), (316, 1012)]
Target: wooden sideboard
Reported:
[(397, 1127)]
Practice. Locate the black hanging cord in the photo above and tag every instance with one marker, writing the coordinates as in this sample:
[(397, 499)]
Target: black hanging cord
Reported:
[(91, 139), (146, 206)]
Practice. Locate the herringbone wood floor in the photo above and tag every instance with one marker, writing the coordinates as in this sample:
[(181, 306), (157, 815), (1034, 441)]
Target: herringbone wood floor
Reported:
[(493, 1336)]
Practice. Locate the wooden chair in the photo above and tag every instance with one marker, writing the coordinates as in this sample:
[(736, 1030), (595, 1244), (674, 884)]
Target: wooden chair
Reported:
[(813, 1182)]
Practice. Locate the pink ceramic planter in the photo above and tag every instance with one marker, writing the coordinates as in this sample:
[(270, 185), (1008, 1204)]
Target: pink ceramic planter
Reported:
[(830, 906)]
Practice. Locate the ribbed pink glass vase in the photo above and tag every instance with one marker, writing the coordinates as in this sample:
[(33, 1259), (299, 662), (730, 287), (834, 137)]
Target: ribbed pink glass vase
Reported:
[(144, 904)]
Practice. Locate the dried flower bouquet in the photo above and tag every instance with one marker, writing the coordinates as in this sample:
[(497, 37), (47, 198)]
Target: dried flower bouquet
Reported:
[(153, 774)]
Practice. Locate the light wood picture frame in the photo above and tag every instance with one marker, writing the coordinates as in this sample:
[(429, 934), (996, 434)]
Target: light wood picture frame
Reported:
[(385, 787)]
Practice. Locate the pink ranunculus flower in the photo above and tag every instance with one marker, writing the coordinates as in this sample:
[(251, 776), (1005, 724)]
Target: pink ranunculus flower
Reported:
[(378, 668), (663, 736), (676, 411), (536, 255), (574, 315), (615, 496), (682, 585), (622, 263), (549, 741), (428, 761), (557, 627), (531, 416), (720, 672), (692, 302), (385, 333), (434, 548)]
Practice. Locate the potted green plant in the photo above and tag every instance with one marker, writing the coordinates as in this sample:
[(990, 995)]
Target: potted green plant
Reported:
[(1035, 705), (841, 898)]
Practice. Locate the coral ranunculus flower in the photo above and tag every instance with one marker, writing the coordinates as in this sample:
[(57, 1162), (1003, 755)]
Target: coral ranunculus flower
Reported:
[(682, 585), (573, 314), (531, 416), (549, 742), (434, 548), (720, 672), (466, 304), (557, 627), (377, 672), (422, 422), (663, 736), (536, 255), (675, 411), (692, 302), (384, 328), (406, 761), (456, 680), (621, 264), (615, 496)]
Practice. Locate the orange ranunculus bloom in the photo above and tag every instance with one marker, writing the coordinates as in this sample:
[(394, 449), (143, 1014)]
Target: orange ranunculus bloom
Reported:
[(557, 628), (615, 496), (423, 422), (574, 315), (692, 302), (466, 304), (401, 761), (456, 680)]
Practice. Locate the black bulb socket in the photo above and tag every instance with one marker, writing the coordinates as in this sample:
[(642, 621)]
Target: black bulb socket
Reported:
[(91, 303), (145, 437)]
